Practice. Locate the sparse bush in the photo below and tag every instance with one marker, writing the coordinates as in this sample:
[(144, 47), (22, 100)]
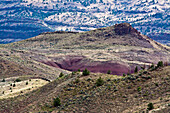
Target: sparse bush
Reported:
[(160, 64), (150, 106), (86, 72), (145, 72), (3, 80), (14, 85), (136, 69), (108, 72), (56, 102), (18, 80), (139, 89), (143, 67), (99, 82), (73, 73), (77, 80), (152, 66), (156, 84), (61, 74)]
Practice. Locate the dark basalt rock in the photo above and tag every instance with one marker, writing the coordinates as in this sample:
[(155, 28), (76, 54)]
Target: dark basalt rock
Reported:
[(124, 28)]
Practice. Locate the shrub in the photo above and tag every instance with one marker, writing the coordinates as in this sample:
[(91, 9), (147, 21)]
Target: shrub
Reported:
[(14, 85), (139, 89), (26, 83), (99, 82), (108, 72), (86, 72), (160, 64), (73, 73), (136, 69), (152, 66), (124, 75), (56, 102), (78, 70), (77, 80), (61, 74), (150, 106), (17, 80), (3, 80)]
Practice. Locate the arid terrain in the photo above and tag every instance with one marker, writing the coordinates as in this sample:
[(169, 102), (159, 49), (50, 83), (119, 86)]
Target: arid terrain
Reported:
[(39, 61)]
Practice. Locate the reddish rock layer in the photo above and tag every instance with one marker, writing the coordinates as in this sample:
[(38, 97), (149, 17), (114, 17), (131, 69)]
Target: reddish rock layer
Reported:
[(75, 63)]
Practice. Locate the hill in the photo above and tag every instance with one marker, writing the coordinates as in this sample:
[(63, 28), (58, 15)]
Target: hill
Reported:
[(131, 93), (35, 71), (22, 19), (119, 48)]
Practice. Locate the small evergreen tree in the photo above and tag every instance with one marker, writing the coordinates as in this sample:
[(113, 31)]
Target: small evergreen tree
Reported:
[(108, 72), (78, 70), (14, 85), (61, 74), (150, 106), (56, 102), (136, 69), (86, 72), (160, 64), (99, 82), (3, 80), (124, 75)]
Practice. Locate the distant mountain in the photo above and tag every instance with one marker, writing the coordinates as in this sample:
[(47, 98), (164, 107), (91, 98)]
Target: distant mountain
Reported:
[(21, 19)]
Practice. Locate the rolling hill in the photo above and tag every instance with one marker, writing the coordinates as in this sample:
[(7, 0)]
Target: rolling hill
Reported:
[(56, 60)]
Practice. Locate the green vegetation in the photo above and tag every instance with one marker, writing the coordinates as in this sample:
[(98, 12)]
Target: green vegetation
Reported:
[(56, 102), (139, 89), (18, 80), (73, 73), (150, 106), (136, 69), (61, 74), (108, 72), (26, 83), (3, 80), (77, 80), (86, 72), (99, 81), (78, 70), (14, 85), (160, 64)]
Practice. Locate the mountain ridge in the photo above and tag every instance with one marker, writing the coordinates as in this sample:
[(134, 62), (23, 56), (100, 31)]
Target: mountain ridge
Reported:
[(30, 18)]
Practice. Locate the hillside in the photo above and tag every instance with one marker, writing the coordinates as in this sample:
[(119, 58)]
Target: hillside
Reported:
[(22, 19), (35, 71), (119, 48), (78, 93)]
